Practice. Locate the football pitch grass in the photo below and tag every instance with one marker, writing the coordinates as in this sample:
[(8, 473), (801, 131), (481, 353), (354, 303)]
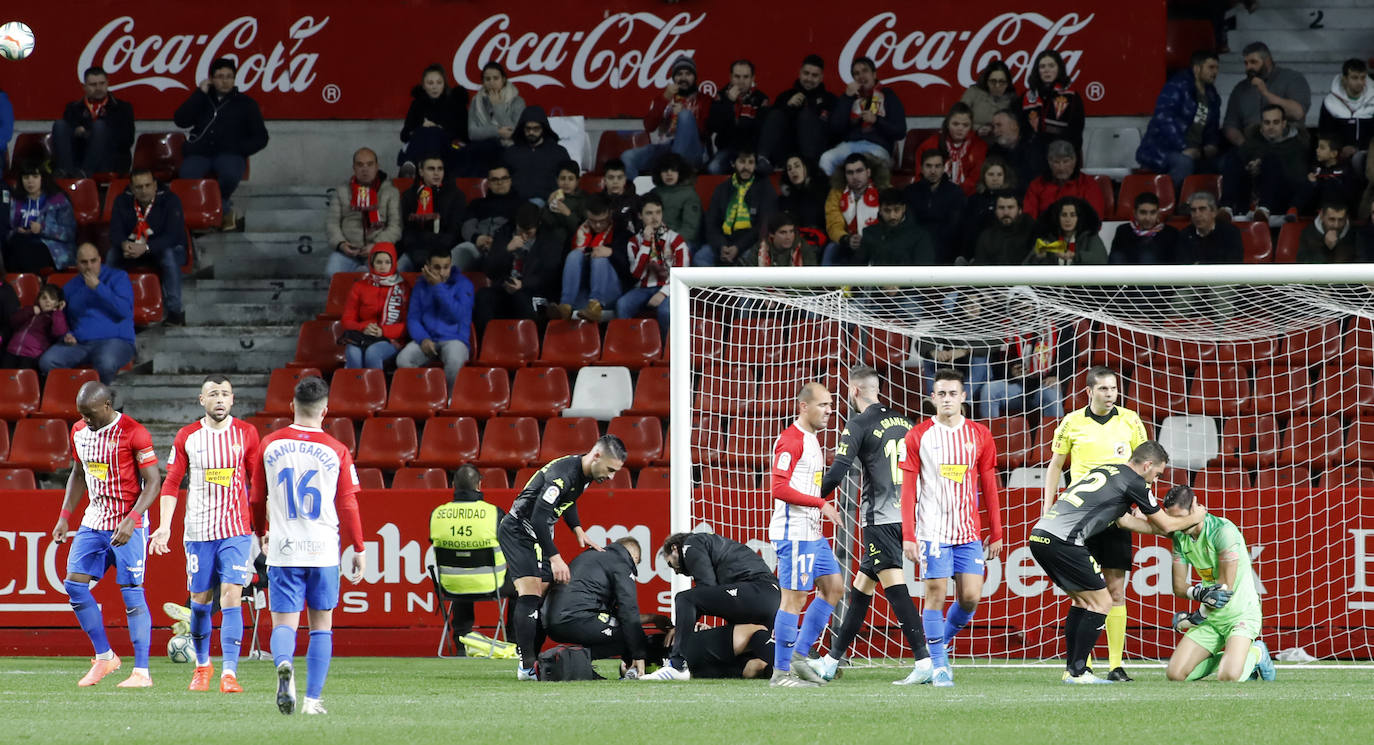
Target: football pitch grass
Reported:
[(378, 701)]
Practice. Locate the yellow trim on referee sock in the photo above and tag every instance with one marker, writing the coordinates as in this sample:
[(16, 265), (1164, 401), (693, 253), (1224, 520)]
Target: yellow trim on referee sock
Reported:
[(1116, 636)]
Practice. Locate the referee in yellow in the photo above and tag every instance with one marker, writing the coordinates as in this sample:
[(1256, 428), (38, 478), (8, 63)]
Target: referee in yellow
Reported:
[(1099, 434)]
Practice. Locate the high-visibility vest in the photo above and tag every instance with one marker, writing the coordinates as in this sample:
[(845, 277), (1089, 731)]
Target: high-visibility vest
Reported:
[(465, 547)]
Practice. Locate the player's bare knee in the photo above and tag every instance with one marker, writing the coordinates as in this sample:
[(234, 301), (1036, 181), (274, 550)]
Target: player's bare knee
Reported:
[(202, 597), (230, 596), (1176, 675)]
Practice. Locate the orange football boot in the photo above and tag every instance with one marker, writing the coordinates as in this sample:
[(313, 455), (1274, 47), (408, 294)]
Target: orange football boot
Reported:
[(99, 669), (200, 679)]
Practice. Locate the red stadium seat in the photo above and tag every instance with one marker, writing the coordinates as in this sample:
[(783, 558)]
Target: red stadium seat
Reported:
[(571, 344), (1208, 182), (1185, 355), (1314, 441), (523, 476), (887, 348), (654, 477), (357, 394), (473, 187), (1314, 346), (1221, 480), (757, 341), (725, 389), (85, 198), (388, 443), (402, 184), (480, 392), (147, 298), (1157, 393), (621, 480), (1042, 440), (14, 479), (905, 389), (910, 144), (281, 388), (339, 286), (318, 347), (652, 393), (1359, 343), (643, 438), (509, 442), (706, 186), (1249, 353), (750, 442), (1182, 37), (371, 478), (200, 202), (341, 429), (708, 439), (159, 152), (1251, 441), (1284, 478), (1290, 236), (495, 478), (41, 445), (420, 478), (1348, 391), (416, 392), (113, 189), (708, 340), (26, 286), (20, 394), (540, 392), (1123, 350), (59, 393), (567, 435), (1219, 390), (1279, 390), (630, 342), (1109, 194), (1259, 246), (32, 147), (1359, 443), (1012, 438), (4, 442), (1135, 184), (266, 425), (614, 143), (1344, 477), (479, 280), (509, 343), (448, 442)]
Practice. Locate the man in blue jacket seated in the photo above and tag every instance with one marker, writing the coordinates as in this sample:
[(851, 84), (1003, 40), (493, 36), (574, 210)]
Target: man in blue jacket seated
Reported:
[(148, 229), (100, 313), (439, 319)]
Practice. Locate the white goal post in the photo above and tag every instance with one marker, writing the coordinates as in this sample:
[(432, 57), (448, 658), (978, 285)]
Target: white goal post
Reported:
[(1259, 379)]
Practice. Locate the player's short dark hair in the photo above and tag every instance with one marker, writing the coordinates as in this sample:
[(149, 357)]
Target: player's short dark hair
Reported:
[(890, 196), (428, 158), (1149, 450), (863, 372), (53, 291), (142, 172), (222, 63), (932, 152), (466, 479), (527, 216), (863, 61), (628, 541), (858, 158), (598, 204), (1354, 64), (673, 541), (614, 164), (1333, 140), (1270, 107), (648, 199), (498, 167), (1097, 372), (216, 378), (744, 152), (1333, 202), (1179, 496), (781, 220), (948, 373), (1201, 56), (1256, 47), (311, 390), (96, 70), (813, 59), (570, 166), (1146, 197), (742, 61), (438, 252), (1001, 194), (611, 447)]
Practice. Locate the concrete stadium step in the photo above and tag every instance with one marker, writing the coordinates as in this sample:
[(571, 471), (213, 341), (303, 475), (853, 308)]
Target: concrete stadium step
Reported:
[(217, 302), (276, 219), (266, 255), (172, 398), (1342, 42), (229, 349), (1301, 18), (283, 197)]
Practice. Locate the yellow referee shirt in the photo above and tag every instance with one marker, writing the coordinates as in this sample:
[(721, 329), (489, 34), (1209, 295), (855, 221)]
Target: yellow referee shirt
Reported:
[(1091, 440)]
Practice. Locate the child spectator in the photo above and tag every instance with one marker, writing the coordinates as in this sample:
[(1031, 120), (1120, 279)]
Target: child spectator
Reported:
[(653, 253), (1331, 178), (566, 209), (35, 329), (681, 203)]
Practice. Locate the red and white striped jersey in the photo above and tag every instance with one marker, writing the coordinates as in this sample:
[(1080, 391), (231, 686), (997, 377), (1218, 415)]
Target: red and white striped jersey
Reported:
[(955, 468), (111, 457), (652, 257), (798, 467), (309, 486), (217, 492)]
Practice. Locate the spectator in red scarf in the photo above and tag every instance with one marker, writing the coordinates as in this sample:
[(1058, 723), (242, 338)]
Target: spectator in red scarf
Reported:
[(374, 317), (782, 245), (597, 267), (1029, 369), (964, 149), (148, 230), (736, 118), (96, 133), (1147, 239), (1050, 108), (676, 122), (434, 211), (867, 119), (851, 206), (653, 252), (363, 213), (1062, 180)]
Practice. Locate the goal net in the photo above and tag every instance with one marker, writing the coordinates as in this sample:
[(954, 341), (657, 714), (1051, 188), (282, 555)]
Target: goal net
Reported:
[(1258, 380)]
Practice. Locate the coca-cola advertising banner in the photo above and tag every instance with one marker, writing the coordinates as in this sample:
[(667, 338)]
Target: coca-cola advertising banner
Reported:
[(358, 60)]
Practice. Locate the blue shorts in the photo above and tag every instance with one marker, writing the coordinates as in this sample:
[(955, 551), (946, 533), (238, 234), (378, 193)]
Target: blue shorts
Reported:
[(944, 560), (225, 559), (92, 554), (801, 562), (293, 589)]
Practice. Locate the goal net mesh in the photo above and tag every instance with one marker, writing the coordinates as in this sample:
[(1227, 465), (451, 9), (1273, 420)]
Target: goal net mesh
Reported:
[(1262, 395)]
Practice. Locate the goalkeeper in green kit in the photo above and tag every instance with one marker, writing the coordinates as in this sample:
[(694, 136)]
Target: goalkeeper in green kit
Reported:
[(1222, 636)]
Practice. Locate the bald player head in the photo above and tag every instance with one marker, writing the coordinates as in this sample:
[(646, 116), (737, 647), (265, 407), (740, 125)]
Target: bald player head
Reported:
[(814, 407), (95, 402)]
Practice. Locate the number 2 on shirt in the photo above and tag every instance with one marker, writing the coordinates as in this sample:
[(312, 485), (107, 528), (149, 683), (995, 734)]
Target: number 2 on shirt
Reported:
[(895, 450), (302, 499)]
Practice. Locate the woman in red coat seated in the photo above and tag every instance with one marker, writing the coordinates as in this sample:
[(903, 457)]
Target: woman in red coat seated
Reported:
[(374, 317), (966, 151)]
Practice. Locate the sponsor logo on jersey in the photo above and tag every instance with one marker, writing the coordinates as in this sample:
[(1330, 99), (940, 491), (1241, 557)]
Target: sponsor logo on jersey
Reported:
[(550, 495), (1121, 449), (817, 477), (99, 470), (219, 476), (953, 471), (733, 592)]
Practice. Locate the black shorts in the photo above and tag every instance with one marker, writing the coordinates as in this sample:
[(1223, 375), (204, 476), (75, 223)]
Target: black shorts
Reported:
[(711, 654), (522, 553), (1069, 566), (598, 632), (882, 549), (1112, 548), (743, 602)]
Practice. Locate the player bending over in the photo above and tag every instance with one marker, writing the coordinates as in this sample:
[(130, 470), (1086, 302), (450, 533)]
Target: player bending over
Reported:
[(1087, 508), (876, 436), (112, 462), (216, 451), (1222, 637), (805, 559), (306, 490)]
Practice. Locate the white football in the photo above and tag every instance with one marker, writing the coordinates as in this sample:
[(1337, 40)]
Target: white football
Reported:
[(16, 40), (180, 648)]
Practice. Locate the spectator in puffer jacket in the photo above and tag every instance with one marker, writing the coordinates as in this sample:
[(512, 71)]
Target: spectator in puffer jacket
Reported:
[(374, 317), (439, 319), (1185, 131)]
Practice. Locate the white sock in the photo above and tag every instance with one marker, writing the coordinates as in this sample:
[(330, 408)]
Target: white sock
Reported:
[(923, 663), (228, 674), (141, 671), (106, 655), (309, 700)]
